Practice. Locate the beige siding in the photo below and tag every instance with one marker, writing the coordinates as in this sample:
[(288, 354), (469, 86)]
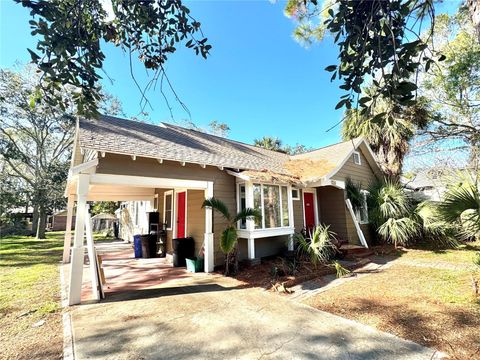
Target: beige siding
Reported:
[(364, 175), (223, 189), (298, 213), (352, 230), (332, 210), (359, 173), (196, 217)]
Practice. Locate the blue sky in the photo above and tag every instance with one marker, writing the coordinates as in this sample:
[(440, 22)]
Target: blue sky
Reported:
[(258, 80)]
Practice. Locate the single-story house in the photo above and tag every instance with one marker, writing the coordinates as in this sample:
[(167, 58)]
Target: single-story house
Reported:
[(427, 185), (58, 221), (171, 170)]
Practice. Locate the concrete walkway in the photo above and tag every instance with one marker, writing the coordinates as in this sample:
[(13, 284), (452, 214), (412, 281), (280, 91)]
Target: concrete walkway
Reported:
[(211, 317)]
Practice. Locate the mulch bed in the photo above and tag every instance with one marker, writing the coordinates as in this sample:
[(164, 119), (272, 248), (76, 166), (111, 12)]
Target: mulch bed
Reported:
[(262, 275)]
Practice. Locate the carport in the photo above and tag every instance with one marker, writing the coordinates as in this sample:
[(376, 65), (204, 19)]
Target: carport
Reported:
[(85, 184)]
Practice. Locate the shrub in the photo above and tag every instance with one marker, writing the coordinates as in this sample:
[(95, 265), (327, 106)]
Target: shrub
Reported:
[(319, 247), (391, 212), (461, 205)]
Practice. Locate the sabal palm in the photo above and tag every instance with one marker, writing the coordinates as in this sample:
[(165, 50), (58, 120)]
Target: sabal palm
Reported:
[(269, 143), (391, 212), (461, 205), (229, 237), (319, 246), (388, 131)]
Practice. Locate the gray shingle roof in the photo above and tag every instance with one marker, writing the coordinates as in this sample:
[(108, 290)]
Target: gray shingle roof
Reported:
[(170, 142)]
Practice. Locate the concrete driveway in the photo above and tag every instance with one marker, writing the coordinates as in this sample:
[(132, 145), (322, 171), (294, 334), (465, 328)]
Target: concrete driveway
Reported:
[(210, 317)]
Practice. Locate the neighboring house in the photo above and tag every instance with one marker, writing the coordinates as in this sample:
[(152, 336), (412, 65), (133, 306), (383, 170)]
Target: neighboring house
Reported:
[(58, 221), (427, 185), (170, 169)]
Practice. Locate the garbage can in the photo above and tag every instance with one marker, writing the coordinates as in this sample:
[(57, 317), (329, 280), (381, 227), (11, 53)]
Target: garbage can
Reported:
[(145, 246), (182, 248), (149, 244), (137, 246)]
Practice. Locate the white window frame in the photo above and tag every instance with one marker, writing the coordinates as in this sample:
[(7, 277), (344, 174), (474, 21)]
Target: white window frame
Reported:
[(262, 231), (239, 203), (165, 194), (357, 153), (298, 197), (358, 212)]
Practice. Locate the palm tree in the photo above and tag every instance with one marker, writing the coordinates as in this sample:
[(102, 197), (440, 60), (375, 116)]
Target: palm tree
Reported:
[(229, 237), (391, 212), (461, 205), (319, 247), (388, 131), (269, 143)]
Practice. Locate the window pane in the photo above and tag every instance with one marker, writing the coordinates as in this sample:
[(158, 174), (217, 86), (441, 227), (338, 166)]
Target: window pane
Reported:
[(243, 205), (285, 206), (295, 194), (271, 204), (168, 210), (257, 202), (364, 209)]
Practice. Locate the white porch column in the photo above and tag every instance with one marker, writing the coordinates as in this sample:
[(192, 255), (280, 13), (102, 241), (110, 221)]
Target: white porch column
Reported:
[(251, 222), (290, 242), (76, 264), (67, 243), (290, 217), (91, 255), (208, 241), (251, 248)]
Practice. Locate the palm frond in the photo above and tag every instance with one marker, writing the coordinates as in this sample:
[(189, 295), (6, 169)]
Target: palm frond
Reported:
[(319, 248), (399, 231), (341, 271), (354, 193), (461, 205), (228, 240), (248, 214), (434, 229), (219, 206)]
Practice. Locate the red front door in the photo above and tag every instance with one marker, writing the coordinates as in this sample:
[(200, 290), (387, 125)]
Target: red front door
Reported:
[(181, 214), (309, 211)]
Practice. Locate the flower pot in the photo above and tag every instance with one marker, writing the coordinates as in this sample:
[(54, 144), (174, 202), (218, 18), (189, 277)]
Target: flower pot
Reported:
[(194, 265)]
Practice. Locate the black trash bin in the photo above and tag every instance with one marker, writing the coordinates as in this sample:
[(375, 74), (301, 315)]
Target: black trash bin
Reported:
[(182, 248), (149, 245)]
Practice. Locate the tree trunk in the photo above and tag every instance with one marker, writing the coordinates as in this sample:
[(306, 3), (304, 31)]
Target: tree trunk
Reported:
[(34, 220), (42, 222), (474, 8)]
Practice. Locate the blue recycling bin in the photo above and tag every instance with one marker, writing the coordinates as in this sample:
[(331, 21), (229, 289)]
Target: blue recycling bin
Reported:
[(137, 246)]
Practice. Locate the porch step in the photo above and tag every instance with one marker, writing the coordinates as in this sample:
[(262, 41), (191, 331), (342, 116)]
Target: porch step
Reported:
[(355, 251)]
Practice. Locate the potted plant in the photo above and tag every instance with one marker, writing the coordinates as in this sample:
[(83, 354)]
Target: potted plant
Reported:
[(195, 264)]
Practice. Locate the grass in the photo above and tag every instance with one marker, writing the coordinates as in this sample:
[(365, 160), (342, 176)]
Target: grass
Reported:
[(433, 307), (464, 254), (29, 278)]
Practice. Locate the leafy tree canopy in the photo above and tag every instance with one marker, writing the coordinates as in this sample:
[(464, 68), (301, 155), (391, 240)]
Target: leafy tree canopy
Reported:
[(73, 34), (453, 92), (378, 40), (107, 207), (275, 144)]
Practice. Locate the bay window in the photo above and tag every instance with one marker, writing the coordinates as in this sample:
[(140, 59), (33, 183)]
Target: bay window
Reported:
[(271, 200)]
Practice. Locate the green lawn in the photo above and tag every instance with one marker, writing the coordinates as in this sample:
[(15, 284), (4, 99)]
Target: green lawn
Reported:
[(464, 254), (30, 292), (432, 306)]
